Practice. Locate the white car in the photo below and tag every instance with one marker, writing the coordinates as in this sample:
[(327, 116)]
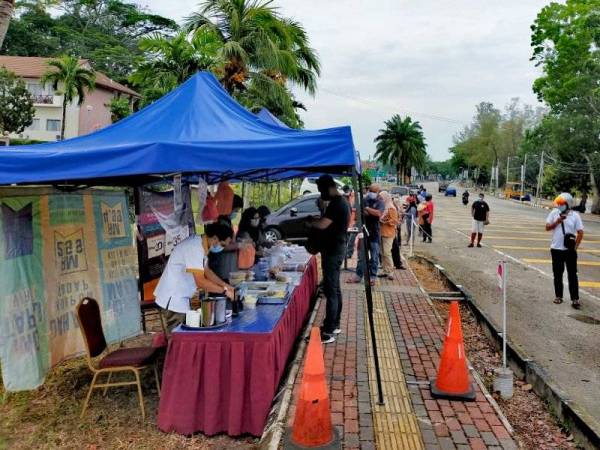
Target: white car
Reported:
[(309, 186)]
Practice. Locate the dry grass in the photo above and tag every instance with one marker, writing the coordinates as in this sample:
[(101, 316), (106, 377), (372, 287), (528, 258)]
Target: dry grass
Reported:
[(48, 418)]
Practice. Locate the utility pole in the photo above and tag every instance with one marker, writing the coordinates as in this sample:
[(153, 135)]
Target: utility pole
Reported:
[(507, 170), (540, 176), (497, 176)]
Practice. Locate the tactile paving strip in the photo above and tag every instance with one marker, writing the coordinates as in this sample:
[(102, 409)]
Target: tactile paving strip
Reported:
[(395, 422)]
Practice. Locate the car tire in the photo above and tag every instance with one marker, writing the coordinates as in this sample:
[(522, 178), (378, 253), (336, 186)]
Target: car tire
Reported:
[(272, 235), (306, 193)]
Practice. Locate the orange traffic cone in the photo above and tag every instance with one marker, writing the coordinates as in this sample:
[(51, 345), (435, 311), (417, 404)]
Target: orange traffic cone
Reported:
[(452, 381), (312, 424)]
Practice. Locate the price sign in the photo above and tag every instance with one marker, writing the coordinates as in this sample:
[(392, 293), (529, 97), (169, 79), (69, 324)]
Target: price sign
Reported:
[(156, 246), (174, 237), (70, 252)]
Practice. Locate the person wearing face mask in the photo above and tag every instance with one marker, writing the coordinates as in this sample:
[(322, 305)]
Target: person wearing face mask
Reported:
[(187, 270), (481, 217), (567, 234), (332, 226), (250, 227)]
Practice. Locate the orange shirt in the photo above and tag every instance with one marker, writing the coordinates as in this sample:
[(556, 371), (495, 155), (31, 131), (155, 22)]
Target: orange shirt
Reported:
[(389, 222)]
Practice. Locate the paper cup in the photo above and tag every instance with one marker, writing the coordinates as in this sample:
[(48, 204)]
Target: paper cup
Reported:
[(192, 319)]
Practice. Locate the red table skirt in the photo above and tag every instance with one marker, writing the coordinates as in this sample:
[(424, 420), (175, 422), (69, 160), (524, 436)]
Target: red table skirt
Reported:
[(225, 382)]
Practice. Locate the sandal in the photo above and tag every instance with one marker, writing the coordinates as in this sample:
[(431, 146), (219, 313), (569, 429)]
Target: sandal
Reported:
[(353, 280), (558, 300), (576, 304)]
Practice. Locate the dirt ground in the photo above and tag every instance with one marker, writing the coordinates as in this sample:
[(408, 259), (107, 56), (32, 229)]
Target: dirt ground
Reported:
[(534, 425), (48, 418)]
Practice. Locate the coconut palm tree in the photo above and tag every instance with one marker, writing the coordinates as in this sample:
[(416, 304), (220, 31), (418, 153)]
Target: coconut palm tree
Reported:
[(74, 80), (7, 8), (258, 45), (401, 144), (169, 61)]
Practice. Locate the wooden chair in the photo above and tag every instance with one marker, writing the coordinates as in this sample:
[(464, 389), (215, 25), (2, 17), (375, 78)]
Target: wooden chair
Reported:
[(132, 359)]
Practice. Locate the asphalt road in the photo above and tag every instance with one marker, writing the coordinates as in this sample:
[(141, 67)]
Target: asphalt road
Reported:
[(559, 338)]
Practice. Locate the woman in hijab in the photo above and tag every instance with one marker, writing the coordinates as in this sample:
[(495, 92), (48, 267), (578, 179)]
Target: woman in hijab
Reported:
[(389, 223)]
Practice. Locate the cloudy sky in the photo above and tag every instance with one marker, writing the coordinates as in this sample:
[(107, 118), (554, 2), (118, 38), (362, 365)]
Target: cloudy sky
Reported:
[(431, 59)]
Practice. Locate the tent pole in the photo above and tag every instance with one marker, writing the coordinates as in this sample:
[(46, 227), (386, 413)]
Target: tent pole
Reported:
[(367, 280)]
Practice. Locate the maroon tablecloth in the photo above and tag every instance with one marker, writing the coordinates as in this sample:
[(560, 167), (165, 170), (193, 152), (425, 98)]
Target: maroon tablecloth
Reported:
[(225, 382)]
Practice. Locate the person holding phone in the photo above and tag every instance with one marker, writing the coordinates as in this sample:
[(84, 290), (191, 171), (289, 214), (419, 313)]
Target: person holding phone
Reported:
[(567, 234)]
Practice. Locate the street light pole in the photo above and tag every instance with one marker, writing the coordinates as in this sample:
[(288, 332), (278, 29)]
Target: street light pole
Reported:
[(540, 176)]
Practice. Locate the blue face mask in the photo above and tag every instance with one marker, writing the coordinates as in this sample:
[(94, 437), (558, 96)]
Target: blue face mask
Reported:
[(233, 215), (562, 208), (218, 248)]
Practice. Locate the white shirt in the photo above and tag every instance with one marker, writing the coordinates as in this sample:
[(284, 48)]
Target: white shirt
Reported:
[(177, 284), (572, 224)]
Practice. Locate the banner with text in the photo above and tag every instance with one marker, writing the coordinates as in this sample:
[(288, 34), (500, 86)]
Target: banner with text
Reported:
[(59, 247)]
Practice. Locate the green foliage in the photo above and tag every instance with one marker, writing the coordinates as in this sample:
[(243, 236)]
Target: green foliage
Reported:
[(566, 44), (119, 108), (106, 32), (25, 142), (261, 53), (401, 144), (445, 169), (16, 106), (73, 79)]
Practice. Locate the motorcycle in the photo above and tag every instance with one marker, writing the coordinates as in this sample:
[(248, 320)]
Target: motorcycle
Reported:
[(465, 198)]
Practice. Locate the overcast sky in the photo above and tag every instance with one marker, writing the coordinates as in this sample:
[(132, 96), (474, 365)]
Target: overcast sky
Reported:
[(431, 59)]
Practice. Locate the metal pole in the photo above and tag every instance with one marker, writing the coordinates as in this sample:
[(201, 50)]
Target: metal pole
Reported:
[(367, 280), (539, 182), (497, 176), (507, 169), (504, 275), (412, 236)]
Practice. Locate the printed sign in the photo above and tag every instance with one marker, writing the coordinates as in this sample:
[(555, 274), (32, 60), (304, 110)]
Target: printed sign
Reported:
[(62, 247)]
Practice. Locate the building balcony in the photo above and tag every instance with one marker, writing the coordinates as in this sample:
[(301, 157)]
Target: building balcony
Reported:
[(43, 99)]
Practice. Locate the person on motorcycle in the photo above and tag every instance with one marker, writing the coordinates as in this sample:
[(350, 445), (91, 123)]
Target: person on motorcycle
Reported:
[(465, 198)]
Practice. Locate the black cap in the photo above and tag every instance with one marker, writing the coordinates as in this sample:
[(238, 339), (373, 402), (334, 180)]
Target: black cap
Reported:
[(325, 181)]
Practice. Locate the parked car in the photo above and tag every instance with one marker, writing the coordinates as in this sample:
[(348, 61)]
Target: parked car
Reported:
[(288, 221), (309, 186), (443, 185), (450, 192)]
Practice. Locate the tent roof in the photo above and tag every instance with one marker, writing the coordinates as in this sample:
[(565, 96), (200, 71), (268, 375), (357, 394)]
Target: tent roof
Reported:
[(268, 117), (195, 129)]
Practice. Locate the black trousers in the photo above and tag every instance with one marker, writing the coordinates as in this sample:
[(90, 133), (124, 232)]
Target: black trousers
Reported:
[(560, 259), (331, 263), (427, 232)]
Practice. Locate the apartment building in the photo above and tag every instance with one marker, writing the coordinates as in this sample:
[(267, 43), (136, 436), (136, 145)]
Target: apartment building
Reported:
[(92, 115)]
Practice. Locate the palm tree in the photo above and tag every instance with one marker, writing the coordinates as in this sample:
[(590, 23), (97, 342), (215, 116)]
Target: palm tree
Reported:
[(75, 80), (258, 45), (401, 144), (169, 61), (7, 8)]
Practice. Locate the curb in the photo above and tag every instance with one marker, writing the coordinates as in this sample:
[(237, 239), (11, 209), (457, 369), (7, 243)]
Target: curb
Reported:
[(584, 427)]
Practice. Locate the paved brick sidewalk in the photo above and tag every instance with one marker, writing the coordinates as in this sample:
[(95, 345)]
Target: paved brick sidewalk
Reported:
[(418, 338)]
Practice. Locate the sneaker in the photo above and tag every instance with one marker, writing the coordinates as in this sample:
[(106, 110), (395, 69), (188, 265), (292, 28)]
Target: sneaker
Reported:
[(327, 338), (337, 331), (471, 245)]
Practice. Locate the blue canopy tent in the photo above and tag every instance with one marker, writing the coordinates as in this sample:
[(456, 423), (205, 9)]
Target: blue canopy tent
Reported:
[(196, 129), (268, 117)]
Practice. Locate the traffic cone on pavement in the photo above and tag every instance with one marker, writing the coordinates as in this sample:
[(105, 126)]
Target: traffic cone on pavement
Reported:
[(312, 426), (452, 380)]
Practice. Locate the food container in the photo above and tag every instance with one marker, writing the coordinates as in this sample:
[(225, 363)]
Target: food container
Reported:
[(208, 312), (250, 301), (220, 304)]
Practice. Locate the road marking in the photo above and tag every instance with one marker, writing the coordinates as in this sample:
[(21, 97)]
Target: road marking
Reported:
[(516, 247), (513, 238), (538, 233), (549, 261), (590, 284), (540, 271)]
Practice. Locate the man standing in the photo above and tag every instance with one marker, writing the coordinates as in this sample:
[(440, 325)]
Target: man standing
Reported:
[(374, 209), (334, 225), (426, 218), (567, 234), (481, 217)]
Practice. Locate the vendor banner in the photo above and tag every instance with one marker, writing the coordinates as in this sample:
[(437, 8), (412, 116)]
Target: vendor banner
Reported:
[(164, 219), (58, 248)]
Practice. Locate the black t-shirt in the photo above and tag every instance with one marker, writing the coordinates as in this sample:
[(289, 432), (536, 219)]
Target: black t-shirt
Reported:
[(338, 212), (480, 210), (372, 222)]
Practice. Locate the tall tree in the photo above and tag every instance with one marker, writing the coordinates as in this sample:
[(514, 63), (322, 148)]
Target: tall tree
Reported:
[(261, 51), (566, 44), (7, 8), (74, 81), (16, 106), (401, 144)]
